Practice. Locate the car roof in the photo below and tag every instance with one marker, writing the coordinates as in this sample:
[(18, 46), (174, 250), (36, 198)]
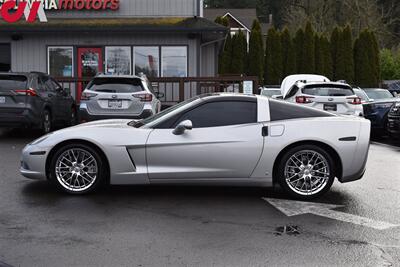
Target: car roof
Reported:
[(118, 76), (223, 95)]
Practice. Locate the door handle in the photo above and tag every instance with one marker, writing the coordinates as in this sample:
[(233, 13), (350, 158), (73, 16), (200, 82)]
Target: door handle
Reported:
[(264, 131)]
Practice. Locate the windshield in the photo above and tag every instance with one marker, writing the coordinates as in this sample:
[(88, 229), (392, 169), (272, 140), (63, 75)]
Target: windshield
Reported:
[(12, 82), (270, 92), (116, 85), (138, 124), (361, 94), (328, 91), (378, 94)]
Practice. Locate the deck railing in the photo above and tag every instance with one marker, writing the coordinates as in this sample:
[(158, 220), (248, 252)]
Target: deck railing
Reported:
[(175, 90)]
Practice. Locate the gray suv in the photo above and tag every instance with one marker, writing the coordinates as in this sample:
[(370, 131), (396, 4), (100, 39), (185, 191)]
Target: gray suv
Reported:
[(34, 100), (118, 97)]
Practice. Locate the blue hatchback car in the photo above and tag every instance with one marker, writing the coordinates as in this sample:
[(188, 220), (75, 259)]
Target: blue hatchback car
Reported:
[(377, 104)]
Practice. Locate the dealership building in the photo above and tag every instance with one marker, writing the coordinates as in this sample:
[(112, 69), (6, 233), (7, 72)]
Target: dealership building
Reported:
[(161, 38)]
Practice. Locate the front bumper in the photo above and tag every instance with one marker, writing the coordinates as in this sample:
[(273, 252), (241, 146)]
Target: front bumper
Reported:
[(86, 116), (33, 162)]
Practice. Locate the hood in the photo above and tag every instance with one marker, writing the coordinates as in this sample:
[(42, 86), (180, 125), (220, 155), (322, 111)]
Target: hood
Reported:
[(386, 100), (116, 123)]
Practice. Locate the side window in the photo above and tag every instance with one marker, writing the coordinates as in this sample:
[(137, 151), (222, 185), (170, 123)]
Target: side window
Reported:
[(47, 84), (222, 113), (292, 91), (281, 110), (55, 84)]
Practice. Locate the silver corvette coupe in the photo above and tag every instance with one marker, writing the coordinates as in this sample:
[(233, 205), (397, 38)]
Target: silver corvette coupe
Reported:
[(215, 139)]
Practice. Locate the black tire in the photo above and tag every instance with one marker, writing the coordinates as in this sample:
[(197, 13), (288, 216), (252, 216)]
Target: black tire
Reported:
[(284, 162), (47, 124), (62, 184)]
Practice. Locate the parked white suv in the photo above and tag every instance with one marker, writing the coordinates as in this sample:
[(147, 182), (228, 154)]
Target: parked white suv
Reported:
[(335, 97)]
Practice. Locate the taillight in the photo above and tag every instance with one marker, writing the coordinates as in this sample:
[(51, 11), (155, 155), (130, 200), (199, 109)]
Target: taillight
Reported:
[(87, 96), (354, 100), (144, 97), (28, 92), (304, 99)]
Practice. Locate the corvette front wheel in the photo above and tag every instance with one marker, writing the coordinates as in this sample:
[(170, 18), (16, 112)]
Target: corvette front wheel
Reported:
[(306, 172), (77, 169)]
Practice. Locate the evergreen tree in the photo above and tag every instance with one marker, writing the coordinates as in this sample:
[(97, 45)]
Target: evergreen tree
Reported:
[(255, 58), (375, 56), (238, 53), (344, 57), (298, 42), (226, 57), (327, 70), (366, 67), (334, 50), (308, 57), (319, 57), (288, 54), (273, 58)]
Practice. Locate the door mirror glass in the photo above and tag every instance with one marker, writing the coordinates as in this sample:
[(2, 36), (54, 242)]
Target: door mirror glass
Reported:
[(182, 127)]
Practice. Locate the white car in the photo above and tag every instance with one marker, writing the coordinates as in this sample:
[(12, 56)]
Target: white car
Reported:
[(117, 97), (215, 139), (270, 92), (336, 97)]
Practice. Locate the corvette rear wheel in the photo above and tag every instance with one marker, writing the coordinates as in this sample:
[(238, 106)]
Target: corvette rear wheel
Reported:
[(306, 172), (77, 169)]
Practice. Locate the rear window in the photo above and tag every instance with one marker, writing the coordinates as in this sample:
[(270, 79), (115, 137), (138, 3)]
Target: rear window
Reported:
[(116, 85), (12, 82), (281, 110), (324, 90), (270, 92)]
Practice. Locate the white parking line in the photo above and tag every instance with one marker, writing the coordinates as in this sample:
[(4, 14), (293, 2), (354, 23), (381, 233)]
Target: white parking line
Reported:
[(293, 208)]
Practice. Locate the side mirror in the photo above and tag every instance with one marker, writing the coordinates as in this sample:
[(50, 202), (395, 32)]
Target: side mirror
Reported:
[(182, 127), (159, 95)]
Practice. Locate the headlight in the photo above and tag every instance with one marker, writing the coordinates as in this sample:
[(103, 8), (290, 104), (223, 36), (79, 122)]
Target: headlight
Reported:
[(398, 104), (39, 140)]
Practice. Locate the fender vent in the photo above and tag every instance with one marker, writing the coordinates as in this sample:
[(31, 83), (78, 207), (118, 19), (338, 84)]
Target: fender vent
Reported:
[(130, 156)]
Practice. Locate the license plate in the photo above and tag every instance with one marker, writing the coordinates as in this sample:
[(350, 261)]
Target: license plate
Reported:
[(2, 99), (330, 107), (115, 104)]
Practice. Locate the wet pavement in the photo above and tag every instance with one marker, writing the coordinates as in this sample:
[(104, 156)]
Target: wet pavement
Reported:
[(194, 226)]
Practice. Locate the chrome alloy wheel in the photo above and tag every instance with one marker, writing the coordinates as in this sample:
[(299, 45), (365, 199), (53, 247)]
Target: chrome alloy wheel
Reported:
[(307, 172), (76, 169)]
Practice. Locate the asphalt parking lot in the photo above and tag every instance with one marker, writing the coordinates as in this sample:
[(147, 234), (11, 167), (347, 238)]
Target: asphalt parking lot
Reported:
[(199, 226)]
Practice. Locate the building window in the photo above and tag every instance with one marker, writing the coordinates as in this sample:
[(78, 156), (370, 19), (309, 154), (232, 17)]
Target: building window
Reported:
[(118, 60), (174, 61), (5, 57), (147, 60), (60, 61)]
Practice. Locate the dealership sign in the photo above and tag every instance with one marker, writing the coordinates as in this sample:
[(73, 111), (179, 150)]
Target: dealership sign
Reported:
[(12, 11)]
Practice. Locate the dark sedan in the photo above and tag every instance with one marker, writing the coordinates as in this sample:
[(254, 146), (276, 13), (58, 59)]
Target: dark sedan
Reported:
[(377, 105)]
